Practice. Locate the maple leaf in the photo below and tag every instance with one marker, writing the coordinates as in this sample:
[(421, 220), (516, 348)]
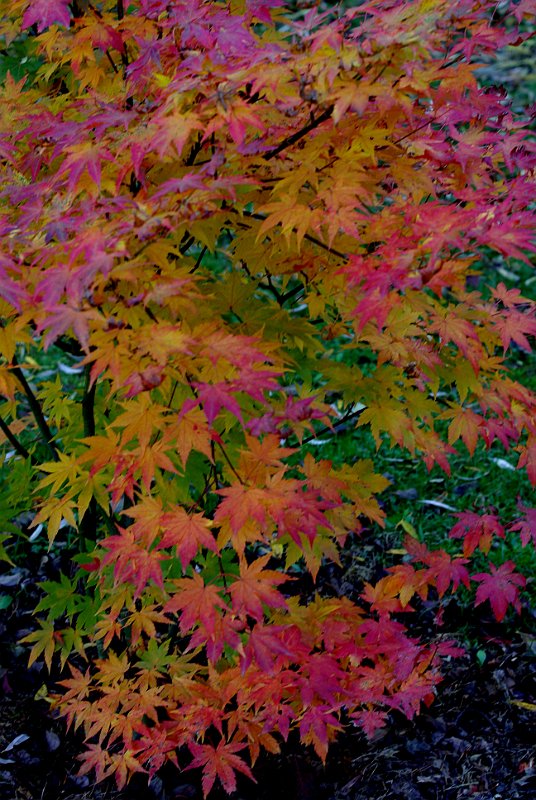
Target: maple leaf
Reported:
[(240, 504), (451, 328), (44, 641), (526, 526), (465, 424), (132, 561), (238, 118), (383, 595), (213, 397), (186, 532), (317, 727), (500, 587), (514, 326), (123, 765), (197, 602), (219, 762), (82, 157), (61, 318), (96, 758), (265, 644), (254, 587), (44, 13), (190, 432), (370, 720), (443, 569), (476, 531)]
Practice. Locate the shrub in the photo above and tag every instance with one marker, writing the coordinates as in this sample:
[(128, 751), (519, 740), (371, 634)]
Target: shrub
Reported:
[(234, 227)]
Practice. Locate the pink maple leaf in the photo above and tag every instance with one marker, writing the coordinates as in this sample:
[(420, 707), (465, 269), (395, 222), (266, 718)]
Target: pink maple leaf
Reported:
[(527, 526), (45, 12), (214, 397)]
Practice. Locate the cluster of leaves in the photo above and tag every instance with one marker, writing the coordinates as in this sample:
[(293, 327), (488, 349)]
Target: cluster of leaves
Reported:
[(201, 202)]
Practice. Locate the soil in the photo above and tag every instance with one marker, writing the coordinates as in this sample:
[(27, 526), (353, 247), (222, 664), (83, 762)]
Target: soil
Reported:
[(476, 742)]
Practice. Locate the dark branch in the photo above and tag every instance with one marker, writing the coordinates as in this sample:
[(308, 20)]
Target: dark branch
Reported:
[(35, 408), (196, 147), (88, 405), (199, 259), (229, 462), (12, 439), (88, 524), (307, 236), (329, 428), (295, 137), (188, 241)]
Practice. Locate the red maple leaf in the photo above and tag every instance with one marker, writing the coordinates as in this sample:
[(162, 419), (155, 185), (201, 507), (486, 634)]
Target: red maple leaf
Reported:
[(447, 570), (369, 720), (476, 531), (317, 726), (500, 587), (254, 587), (241, 503), (442, 568), (219, 762), (199, 603), (513, 326), (188, 533), (133, 563), (264, 645)]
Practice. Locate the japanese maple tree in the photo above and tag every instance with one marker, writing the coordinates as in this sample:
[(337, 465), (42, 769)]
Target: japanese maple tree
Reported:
[(202, 206)]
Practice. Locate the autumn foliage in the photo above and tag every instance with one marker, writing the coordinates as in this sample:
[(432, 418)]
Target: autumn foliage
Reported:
[(242, 226)]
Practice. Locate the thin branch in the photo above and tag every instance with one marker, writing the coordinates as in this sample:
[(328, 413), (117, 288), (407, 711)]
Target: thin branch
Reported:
[(199, 260), (329, 428), (295, 137), (188, 242), (12, 439), (196, 147), (35, 408), (308, 237), (110, 59), (230, 463), (88, 405), (291, 292), (88, 523), (419, 127)]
